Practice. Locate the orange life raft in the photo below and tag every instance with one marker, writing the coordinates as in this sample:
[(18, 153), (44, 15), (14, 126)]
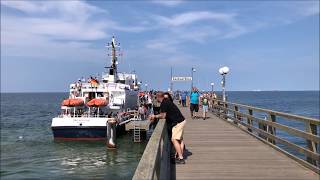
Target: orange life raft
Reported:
[(97, 102), (72, 102)]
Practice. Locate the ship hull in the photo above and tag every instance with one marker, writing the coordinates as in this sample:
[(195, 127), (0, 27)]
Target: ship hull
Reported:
[(79, 128), (75, 133)]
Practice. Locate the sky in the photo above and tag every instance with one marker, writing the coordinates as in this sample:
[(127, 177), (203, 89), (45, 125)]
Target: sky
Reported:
[(268, 45)]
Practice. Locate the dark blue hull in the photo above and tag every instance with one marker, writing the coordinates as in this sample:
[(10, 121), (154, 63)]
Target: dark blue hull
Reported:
[(79, 133)]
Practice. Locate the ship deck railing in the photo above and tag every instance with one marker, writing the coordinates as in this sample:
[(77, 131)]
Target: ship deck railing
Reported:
[(82, 116)]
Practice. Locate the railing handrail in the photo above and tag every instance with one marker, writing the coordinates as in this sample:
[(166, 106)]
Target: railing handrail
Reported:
[(294, 131), (277, 113), (267, 129), (154, 163)]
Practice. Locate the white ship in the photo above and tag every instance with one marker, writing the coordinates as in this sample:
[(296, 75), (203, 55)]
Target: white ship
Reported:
[(96, 108)]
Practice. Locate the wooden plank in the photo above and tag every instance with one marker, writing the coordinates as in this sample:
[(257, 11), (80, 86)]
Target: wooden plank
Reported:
[(218, 150), (300, 149), (144, 125)]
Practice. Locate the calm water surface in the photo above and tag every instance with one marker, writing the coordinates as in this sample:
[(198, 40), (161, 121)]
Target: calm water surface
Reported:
[(28, 149)]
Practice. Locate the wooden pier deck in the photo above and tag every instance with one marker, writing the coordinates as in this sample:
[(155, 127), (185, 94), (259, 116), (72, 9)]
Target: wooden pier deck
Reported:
[(218, 150)]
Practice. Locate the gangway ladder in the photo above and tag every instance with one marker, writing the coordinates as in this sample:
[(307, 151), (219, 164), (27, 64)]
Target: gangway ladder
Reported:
[(136, 128)]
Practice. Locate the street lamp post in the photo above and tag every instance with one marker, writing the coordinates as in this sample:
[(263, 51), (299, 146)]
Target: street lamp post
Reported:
[(146, 85), (192, 70), (224, 71), (212, 84)]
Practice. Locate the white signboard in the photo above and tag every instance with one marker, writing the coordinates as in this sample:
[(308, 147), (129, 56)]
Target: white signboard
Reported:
[(177, 78)]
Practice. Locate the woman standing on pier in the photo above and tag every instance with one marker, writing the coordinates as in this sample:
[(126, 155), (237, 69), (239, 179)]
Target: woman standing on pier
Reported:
[(175, 122)]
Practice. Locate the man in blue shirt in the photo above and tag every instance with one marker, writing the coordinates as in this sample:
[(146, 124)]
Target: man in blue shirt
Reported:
[(183, 98), (194, 101)]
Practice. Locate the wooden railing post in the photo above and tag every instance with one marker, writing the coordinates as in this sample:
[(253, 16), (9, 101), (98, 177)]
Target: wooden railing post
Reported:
[(271, 129), (249, 120), (312, 146), (262, 127), (225, 111), (236, 116), (219, 108)]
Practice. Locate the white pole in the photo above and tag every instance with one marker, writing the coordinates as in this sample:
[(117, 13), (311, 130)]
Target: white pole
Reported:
[(223, 87)]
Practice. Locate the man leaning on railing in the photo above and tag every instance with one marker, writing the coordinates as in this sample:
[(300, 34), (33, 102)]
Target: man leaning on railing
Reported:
[(175, 121)]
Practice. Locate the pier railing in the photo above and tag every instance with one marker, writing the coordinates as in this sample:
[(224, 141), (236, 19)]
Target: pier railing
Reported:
[(155, 161), (251, 120)]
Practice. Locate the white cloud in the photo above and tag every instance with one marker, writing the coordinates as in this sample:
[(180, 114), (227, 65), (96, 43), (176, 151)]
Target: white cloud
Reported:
[(57, 20), (193, 16), (56, 29), (168, 3), (194, 26), (25, 6), (78, 23)]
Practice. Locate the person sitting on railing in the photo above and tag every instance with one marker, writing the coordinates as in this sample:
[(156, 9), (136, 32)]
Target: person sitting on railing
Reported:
[(175, 122)]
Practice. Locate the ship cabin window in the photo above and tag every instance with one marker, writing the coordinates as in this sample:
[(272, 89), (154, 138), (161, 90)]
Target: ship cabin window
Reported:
[(99, 94), (92, 95), (121, 81), (111, 71)]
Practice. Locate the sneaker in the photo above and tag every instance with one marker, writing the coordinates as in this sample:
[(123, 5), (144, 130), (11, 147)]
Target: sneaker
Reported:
[(180, 161)]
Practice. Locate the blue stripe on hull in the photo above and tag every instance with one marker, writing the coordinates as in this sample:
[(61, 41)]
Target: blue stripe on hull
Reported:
[(79, 133)]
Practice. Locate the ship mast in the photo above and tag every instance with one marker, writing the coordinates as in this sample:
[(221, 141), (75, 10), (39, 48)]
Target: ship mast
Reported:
[(114, 60), (114, 56)]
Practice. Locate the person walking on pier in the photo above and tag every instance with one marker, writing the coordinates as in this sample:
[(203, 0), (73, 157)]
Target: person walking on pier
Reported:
[(194, 102), (205, 106), (175, 121), (183, 97)]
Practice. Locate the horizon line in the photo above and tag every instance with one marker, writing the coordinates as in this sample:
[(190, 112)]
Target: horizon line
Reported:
[(175, 90)]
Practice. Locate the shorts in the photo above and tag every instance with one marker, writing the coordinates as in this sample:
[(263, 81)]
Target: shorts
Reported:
[(205, 108), (194, 107), (177, 130)]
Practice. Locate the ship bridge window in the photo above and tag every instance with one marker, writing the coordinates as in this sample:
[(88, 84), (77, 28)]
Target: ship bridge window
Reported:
[(99, 94), (121, 81), (92, 95), (111, 71)]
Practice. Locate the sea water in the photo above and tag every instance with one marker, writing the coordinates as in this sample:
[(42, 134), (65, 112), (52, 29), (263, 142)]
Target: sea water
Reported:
[(28, 149)]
